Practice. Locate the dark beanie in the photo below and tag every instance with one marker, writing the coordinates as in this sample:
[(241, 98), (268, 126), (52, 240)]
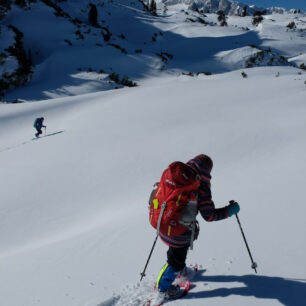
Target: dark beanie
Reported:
[(201, 164)]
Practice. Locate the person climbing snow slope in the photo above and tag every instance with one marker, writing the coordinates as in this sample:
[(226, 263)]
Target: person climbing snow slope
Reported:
[(185, 191), (38, 125)]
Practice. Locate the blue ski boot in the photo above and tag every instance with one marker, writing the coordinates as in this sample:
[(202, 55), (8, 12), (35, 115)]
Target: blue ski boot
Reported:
[(165, 278)]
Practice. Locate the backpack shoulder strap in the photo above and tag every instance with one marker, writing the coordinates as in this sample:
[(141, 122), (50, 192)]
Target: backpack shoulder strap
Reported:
[(163, 207)]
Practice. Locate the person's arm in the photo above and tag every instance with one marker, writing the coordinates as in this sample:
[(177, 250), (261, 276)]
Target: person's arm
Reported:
[(206, 205)]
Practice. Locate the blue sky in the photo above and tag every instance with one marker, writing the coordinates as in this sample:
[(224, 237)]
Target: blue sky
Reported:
[(288, 4)]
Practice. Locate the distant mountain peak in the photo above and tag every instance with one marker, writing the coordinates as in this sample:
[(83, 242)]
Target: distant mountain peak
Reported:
[(229, 7)]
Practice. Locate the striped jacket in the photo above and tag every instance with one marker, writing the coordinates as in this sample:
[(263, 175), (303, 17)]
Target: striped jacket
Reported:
[(206, 206)]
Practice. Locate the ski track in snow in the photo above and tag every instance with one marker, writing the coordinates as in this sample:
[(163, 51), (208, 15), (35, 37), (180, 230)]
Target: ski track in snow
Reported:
[(132, 295), (27, 142)]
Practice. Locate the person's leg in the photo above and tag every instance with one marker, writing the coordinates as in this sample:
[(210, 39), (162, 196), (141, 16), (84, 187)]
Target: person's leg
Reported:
[(168, 273), (177, 257), (165, 278), (39, 132)]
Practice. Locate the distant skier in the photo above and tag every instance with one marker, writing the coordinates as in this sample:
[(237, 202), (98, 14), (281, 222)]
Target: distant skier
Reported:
[(185, 190), (38, 125)]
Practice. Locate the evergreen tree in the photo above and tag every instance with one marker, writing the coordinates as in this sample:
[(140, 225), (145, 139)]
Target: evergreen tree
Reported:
[(93, 15), (20, 3), (222, 18), (6, 3), (291, 25), (257, 18), (152, 6)]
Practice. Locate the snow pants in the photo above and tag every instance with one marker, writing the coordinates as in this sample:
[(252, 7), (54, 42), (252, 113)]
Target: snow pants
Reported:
[(39, 132), (177, 257)]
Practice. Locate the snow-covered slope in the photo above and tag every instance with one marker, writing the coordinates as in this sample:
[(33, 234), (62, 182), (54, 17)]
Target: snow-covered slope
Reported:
[(69, 56), (73, 204)]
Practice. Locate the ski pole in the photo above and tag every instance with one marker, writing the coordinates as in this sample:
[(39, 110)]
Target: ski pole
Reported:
[(144, 270), (45, 131), (254, 264)]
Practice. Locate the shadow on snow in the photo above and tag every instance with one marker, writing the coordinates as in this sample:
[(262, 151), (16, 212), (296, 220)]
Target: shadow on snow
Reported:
[(54, 133), (47, 135), (191, 54), (289, 292), (26, 142)]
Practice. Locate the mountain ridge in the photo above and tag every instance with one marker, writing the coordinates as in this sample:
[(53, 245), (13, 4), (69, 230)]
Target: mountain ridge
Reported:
[(229, 7)]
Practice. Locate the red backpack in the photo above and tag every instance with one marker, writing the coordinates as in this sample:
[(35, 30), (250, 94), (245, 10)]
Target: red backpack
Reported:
[(175, 190)]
